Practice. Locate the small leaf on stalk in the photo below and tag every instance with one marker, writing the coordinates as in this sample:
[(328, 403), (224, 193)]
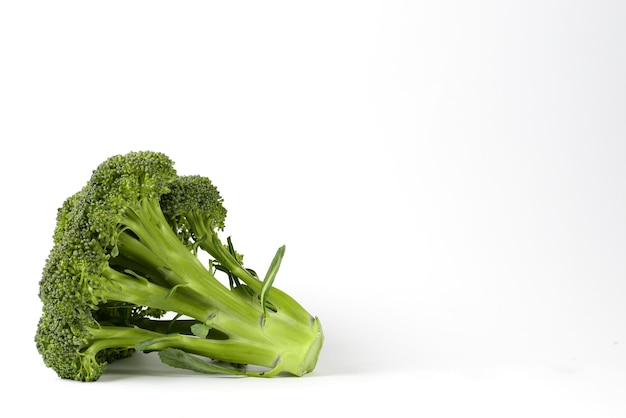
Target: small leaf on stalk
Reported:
[(200, 330), (269, 280)]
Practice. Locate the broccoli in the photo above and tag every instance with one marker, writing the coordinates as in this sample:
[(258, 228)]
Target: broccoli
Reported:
[(124, 275)]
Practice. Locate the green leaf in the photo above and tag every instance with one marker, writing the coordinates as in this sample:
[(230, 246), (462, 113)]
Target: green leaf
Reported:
[(180, 359), (177, 358), (200, 330), (269, 280), (231, 248)]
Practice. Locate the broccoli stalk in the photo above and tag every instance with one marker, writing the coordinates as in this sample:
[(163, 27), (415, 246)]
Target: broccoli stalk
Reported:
[(194, 209), (125, 254)]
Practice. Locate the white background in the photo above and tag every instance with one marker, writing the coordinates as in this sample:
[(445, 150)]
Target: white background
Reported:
[(448, 177)]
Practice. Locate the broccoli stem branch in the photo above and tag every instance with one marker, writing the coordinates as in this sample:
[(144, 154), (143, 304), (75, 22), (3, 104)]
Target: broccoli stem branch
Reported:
[(125, 288), (158, 245), (116, 337), (274, 352), (213, 245), (190, 289)]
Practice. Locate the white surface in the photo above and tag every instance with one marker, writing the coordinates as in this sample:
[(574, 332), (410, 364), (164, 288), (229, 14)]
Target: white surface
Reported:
[(448, 178)]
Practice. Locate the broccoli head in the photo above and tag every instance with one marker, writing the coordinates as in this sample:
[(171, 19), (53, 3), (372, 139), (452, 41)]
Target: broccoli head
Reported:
[(124, 275)]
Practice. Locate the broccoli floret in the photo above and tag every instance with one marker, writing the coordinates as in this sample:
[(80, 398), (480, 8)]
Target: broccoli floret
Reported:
[(124, 275)]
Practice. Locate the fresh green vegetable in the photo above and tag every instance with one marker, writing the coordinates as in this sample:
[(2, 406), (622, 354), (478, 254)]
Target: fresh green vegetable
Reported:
[(124, 274)]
